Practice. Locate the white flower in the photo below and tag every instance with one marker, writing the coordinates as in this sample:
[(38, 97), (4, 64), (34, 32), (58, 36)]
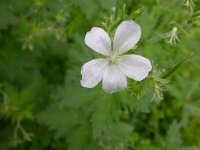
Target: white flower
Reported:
[(115, 67)]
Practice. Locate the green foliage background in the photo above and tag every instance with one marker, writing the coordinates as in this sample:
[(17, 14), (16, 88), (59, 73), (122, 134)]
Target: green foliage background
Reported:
[(43, 106)]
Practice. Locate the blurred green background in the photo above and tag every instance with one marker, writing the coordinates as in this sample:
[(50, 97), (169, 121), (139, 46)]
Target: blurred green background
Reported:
[(43, 106)]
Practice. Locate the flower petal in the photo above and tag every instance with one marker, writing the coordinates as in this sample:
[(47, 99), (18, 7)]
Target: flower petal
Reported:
[(98, 40), (135, 66), (113, 79), (126, 36), (92, 72)]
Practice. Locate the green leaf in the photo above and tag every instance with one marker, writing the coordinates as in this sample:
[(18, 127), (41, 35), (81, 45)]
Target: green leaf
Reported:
[(132, 103), (81, 138), (106, 110), (173, 138), (71, 124), (120, 131), (171, 70), (60, 119), (6, 17)]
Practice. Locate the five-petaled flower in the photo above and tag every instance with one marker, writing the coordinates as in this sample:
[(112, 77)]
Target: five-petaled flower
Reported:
[(116, 66)]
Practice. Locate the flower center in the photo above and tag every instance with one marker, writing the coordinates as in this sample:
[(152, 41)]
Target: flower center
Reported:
[(112, 58)]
